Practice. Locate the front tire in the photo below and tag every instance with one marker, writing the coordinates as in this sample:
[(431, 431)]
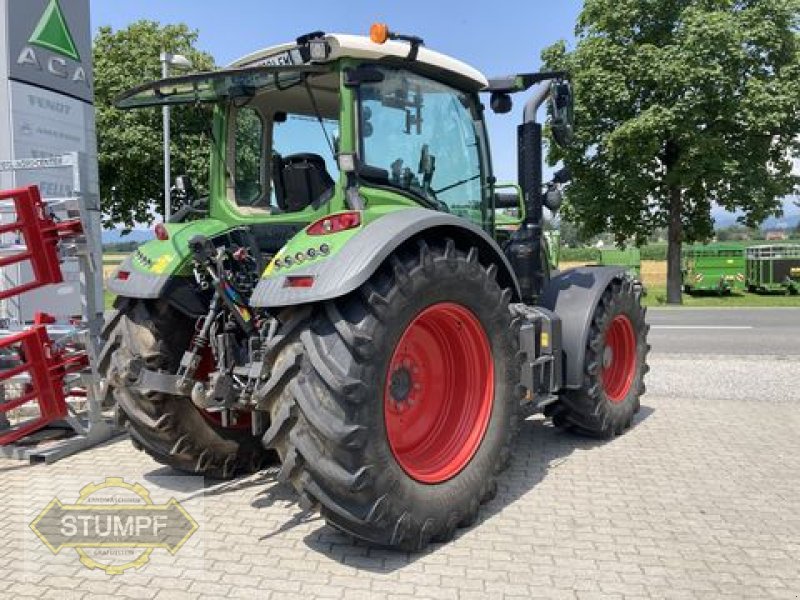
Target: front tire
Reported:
[(387, 420), (171, 429), (615, 364)]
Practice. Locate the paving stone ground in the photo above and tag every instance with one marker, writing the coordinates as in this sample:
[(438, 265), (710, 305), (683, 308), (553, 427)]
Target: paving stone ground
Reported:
[(701, 499)]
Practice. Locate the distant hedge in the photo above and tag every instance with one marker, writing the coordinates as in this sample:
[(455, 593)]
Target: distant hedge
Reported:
[(654, 252), (590, 254), (587, 254)]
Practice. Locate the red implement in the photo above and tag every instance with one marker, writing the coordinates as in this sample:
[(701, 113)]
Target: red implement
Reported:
[(29, 358), (42, 368), (39, 236)]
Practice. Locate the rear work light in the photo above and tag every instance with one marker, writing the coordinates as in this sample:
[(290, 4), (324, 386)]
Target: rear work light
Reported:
[(335, 223)]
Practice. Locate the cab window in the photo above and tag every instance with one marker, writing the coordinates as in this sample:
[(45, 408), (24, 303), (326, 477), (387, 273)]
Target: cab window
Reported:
[(249, 157), (424, 135)]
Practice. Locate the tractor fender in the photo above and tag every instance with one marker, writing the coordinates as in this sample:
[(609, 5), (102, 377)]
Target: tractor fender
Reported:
[(573, 295), (358, 260), (181, 292), (127, 280)]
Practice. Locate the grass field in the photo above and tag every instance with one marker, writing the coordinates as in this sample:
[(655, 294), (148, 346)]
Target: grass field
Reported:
[(108, 299), (657, 296)]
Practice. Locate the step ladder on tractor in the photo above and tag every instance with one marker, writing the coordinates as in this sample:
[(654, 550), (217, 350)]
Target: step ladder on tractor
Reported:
[(48, 379)]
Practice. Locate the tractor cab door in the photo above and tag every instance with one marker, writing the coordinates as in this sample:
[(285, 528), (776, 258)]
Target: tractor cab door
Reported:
[(425, 140)]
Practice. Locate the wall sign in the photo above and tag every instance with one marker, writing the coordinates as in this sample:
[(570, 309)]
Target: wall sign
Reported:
[(49, 45)]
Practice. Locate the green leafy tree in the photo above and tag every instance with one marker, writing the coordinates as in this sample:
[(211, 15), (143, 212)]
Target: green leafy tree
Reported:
[(735, 233), (680, 104), (130, 143)]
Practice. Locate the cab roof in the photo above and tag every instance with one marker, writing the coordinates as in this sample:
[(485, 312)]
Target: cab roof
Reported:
[(362, 47)]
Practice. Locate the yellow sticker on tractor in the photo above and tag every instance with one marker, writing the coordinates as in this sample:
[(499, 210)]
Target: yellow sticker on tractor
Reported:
[(270, 267), (161, 263)]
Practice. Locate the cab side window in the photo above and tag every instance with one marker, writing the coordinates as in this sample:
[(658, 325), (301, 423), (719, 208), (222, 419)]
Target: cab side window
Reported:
[(249, 157)]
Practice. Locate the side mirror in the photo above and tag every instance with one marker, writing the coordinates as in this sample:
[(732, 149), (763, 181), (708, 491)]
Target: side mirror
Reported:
[(562, 112), (553, 199), (183, 191)]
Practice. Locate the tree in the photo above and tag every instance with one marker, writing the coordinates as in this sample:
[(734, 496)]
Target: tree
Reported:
[(736, 233), (680, 104), (570, 236), (130, 143)]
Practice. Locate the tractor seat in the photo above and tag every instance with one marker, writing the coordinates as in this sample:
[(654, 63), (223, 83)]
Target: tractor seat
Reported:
[(300, 181)]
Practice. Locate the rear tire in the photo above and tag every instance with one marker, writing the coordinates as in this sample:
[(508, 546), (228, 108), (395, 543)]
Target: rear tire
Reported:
[(614, 366), (169, 428), (327, 396)]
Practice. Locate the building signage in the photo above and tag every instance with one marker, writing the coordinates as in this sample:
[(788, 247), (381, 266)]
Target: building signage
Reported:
[(46, 101), (49, 45)]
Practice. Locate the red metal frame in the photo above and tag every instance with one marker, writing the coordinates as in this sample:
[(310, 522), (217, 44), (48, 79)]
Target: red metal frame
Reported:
[(41, 234), (46, 365)]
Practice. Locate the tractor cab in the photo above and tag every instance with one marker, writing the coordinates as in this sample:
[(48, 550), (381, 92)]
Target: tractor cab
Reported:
[(334, 123), (286, 117)]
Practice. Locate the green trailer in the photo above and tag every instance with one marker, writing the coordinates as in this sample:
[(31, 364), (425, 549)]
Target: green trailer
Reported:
[(714, 268), (774, 268), (630, 258)]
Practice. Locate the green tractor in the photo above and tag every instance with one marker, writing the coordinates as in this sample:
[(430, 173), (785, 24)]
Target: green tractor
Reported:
[(344, 301)]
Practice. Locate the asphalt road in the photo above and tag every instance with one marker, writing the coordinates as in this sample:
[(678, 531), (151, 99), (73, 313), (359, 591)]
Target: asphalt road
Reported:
[(725, 354), (725, 331)]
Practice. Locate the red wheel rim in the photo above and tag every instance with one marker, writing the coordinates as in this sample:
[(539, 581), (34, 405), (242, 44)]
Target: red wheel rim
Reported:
[(212, 416), (439, 392), (619, 359)]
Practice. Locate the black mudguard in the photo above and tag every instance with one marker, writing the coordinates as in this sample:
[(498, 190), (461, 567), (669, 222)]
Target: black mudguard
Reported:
[(573, 295), (369, 248)]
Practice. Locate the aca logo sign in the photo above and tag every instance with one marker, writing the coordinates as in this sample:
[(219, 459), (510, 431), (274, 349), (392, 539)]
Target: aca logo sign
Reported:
[(49, 45), (52, 33)]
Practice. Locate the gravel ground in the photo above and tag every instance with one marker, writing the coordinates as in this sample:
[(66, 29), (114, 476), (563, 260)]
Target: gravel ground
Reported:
[(700, 499), (761, 378)]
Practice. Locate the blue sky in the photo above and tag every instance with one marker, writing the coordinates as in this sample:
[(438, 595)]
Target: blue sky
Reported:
[(497, 37)]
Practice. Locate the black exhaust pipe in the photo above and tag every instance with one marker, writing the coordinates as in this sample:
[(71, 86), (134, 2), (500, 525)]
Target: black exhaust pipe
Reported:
[(525, 250)]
